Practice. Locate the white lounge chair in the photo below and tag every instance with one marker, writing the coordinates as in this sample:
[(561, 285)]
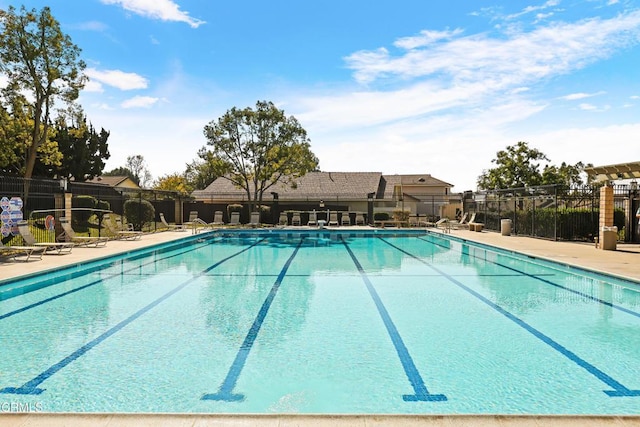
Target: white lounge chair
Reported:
[(313, 219), (360, 218), (254, 221), (333, 218), (217, 219), (119, 233), (50, 247), (295, 219), (234, 219), (283, 219), (346, 219), (171, 227), (22, 253), (70, 236)]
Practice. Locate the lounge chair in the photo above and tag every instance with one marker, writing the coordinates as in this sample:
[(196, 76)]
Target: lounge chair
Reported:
[(360, 218), (346, 218), (295, 219), (50, 247), (70, 236), (22, 253), (333, 218), (462, 222), (119, 233), (254, 221), (443, 223), (284, 219), (217, 219), (171, 227), (235, 219), (313, 219)]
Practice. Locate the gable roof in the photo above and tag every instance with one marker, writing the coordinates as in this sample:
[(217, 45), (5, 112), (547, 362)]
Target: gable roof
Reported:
[(313, 185), (112, 181), (391, 181)]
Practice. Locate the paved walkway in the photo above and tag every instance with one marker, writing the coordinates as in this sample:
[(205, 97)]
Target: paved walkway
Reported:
[(624, 262)]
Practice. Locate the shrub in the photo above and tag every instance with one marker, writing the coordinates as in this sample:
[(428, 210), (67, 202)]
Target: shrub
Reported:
[(80, 218), (381, 216), (401, 215), (139, 212)]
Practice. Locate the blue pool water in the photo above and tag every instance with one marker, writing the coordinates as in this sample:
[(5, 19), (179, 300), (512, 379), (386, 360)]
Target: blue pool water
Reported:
[(386, 322)]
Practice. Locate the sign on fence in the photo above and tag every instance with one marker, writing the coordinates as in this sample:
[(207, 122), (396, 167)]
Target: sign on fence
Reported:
[(10, 215)]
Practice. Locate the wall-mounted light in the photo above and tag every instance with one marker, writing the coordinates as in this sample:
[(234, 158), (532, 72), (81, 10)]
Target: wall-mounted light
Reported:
[(322, 203), (63, 184)]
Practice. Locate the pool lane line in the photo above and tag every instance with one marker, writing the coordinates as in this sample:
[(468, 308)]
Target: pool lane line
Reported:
[(31, 386), (421, 393), (619, 390), (88, 285), (549, 282), (225, 392)]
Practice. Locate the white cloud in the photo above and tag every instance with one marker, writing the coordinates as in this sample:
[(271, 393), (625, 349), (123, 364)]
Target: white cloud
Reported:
[(580, 95), (93, 86), (515, 58), (139, 102), (530, 9), (118, 79), (426, 38), (91, 26), (164, 10), (587, 107)]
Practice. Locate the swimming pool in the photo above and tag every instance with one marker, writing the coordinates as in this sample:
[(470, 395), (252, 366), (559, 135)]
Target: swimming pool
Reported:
[(321, 322)]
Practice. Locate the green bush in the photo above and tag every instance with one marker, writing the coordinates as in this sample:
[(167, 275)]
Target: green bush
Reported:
[(401, 215), (80, 218), (381, 216), (139, 212)]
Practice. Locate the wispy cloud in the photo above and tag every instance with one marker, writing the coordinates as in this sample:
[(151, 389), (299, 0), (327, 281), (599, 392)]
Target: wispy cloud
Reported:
[(140, 102), (531, 9), (91, 26), (164, 10), (580, 95), (116, 78), (516, 57)]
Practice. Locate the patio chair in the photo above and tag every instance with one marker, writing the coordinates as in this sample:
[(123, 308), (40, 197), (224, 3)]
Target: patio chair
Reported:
[(295, 219), (333, 218), (313, 219), (171, 227), (254, 221), (50, 247), (462, 222), (119, 233), (346, 218), (22, 253), (360, 219), (283, 219), (235, 219), (217, 219), (69, 235), (443, 223)]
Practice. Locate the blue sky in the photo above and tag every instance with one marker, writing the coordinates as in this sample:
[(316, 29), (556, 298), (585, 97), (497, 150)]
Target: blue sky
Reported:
[(404, 86)]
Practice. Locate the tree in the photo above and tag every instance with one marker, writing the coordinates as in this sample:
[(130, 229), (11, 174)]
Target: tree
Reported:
[(200, 173), (137, 165), (173, 182), (83, 149), (517, 166), (121, 171), (41, 62), (259, 148)]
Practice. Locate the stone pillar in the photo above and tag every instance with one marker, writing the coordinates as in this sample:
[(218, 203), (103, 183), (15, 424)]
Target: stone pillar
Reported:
[(67, 205), (606, 218)]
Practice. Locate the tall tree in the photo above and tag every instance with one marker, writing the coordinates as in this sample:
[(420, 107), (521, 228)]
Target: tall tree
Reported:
[(138, 166), (517, 166), (39, 60), (258, 148), (201, 173), (84, 150)]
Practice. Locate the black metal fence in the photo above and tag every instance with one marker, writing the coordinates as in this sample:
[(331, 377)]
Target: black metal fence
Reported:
[(555, 212), (41, 198)]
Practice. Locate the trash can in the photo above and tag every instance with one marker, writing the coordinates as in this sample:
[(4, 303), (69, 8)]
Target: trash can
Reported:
[(609, 238), (505, 227)]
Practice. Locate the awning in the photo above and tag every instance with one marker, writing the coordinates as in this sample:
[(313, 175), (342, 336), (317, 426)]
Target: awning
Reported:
[(613, 172)]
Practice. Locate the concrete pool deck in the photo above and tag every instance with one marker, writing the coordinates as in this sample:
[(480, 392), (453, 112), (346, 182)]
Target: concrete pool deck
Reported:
[(623, 262)]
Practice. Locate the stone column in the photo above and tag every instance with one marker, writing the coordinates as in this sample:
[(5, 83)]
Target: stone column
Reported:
[(606, 217)]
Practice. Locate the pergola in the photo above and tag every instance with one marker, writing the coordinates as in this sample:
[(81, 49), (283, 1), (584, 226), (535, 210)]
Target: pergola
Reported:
[(614, 172)]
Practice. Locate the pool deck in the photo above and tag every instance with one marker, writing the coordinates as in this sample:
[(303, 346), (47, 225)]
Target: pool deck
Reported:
[(623, 262)]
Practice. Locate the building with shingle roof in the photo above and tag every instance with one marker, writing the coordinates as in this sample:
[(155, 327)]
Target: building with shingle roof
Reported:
[(419, 194)]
